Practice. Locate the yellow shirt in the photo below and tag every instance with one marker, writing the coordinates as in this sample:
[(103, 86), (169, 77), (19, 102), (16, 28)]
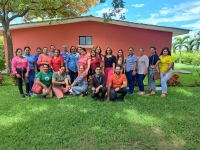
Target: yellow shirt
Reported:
[(164, 62)]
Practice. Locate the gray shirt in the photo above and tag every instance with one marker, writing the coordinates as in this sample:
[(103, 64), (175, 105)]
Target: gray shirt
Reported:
[(142, 63), (58, 79)]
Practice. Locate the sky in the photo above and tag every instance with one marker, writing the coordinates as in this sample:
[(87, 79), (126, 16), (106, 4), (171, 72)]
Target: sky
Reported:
[(172, 13)]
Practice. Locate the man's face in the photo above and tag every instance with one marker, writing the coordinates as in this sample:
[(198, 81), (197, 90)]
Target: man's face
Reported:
[(64, 48), (98, 71), (117, 70)]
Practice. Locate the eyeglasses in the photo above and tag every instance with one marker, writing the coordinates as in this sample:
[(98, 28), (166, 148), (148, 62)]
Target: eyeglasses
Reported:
[(98, 69)]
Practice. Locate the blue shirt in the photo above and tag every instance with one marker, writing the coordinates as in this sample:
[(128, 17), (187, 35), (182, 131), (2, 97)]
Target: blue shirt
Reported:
[(64, 55), (72, 62), (130, 59), (31, 60), (36, 58)]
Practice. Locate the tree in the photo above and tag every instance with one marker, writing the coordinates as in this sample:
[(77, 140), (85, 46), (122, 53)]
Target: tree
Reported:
[(191, 45), (180, 44), (197, 41), (46, 9)]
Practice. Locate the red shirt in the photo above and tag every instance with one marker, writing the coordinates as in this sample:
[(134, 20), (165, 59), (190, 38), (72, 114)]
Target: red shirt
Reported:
[(57, 62), (95, 62), (44, 58)]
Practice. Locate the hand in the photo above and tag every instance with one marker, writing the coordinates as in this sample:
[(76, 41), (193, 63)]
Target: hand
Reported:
[(67, 70), (164, 74), (117, 89), (145, 72), (26, 74), (18, 76), (152, 66), (158, 70), (45, 87), (36, 71), (97, 90), (134, 73), (63, 82)]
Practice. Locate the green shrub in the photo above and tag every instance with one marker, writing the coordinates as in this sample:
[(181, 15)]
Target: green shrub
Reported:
[(187, 58), (176, 57), (2, 64), (196, 60)]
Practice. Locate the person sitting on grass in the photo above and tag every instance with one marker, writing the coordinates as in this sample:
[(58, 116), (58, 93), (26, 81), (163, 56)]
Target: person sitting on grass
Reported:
[(80, 85), (117, 84), (44, 78), (60, 83), (98, 84)]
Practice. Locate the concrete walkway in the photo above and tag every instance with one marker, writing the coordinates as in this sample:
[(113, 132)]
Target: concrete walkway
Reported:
[(182, 71)]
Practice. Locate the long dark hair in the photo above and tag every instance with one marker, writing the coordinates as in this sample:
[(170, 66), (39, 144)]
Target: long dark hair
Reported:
[(99, 49), (121, 56), (165, 48), (94, 52), (154, 48)]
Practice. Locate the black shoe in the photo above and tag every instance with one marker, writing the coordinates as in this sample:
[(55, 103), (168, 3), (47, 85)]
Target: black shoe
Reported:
[(23, 96), (28, 95)]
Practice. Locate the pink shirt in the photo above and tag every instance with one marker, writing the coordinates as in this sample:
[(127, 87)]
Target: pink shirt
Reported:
[(44, 58), (20, 63), (83, 60), (95, 63)]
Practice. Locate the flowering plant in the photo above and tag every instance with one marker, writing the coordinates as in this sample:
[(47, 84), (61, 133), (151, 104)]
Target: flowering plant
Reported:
[(175, 80)]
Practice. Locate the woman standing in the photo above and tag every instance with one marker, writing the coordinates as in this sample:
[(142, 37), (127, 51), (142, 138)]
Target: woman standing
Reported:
[(99, 52), (142, 70), (121, 59), (131, 64), (57, 61), (44, 79), (71, 63), (44, 59), (32, 65), (80, 85), (166, 63), (39, 51), (84, 60), (109, 63), (153, 67), (95, 62), (60, 83), (20, 67)]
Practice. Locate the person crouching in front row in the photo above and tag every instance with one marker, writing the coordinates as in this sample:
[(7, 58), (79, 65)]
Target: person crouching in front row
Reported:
[(98, 84), (117, 84)]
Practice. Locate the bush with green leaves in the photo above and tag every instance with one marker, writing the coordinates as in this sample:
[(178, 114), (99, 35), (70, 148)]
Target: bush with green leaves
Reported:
[(2, 55)]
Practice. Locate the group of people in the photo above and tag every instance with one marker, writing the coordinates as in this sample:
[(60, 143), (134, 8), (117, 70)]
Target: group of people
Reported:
[(73, 71)]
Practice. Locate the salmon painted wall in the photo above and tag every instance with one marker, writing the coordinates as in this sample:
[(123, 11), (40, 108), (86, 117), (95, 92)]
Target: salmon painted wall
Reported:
[(115, 36)]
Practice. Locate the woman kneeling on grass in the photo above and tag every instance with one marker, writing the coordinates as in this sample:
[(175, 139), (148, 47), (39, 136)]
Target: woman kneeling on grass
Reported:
[(44, 78), (81, 80), (60, 83)]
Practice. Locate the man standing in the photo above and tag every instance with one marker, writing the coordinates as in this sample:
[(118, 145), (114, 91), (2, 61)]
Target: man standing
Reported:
[(117, 84), (65, 52), (98, 84), (52, 48)]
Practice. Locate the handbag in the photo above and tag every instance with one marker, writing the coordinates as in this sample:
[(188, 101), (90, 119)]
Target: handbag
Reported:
[(36, 88), (156, 75)]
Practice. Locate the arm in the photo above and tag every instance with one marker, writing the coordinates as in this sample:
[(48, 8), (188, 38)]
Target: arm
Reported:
[(124, 85), (66, 82), (169, 67), (14, 64), (35, 66), (56, 82), (147, 65), (114, 63), (88, 64), (62, 61), (27, 67), (40, 83), (92, 83), (108, 90), (135, 66)]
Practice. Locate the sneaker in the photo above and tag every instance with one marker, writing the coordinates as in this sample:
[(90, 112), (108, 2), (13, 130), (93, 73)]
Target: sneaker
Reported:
[(23, 96), (28, 95)]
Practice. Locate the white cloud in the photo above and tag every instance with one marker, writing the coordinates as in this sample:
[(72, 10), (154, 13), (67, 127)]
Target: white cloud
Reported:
[(195, 25), (138, 5), (107, 10), (185, 11)]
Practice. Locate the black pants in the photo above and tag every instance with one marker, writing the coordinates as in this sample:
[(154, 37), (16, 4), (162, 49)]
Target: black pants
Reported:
[(113, 94), (73, 75), (103, 92), (22, 72)]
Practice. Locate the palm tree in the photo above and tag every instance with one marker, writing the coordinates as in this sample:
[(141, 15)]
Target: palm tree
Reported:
[(191, 45), (180, 44), (197, 41)]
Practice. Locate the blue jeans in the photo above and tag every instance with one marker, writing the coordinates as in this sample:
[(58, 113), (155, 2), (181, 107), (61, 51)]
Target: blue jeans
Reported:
[(140, 79), (31, 78), (131, 78), (164, 81), (80, 88)]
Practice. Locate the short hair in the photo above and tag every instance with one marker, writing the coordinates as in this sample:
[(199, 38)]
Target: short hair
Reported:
[(98, 67), (52, 45), (39, 48), (118, 66), (27, 47), (131, 47), (82, 48), (153, 47)]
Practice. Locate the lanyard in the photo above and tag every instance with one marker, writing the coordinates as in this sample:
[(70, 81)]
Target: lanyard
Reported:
[(99, 79)]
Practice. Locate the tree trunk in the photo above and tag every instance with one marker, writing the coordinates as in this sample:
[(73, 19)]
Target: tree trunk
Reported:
[(180, 56), (9, 45)]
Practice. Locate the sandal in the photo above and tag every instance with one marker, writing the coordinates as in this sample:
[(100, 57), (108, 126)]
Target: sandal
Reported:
[(151, 93), (141, 93), (163, 95)]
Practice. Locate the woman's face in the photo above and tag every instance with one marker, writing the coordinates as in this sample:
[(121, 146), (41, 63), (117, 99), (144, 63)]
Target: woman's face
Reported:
[(81, 68), (120, 53), (62, 70), (45, 68), (130, 51), (19, 53), (27, 51), (141, 51), (73, 50), (52, 48), (93, 54), (108, 51), (165, 52), (98, 50), (39, 51), (45, 50), (83, 52), (56, 53), (79, 50), (152, 50)]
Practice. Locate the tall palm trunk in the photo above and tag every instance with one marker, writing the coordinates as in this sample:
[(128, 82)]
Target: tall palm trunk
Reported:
[(180, 56)]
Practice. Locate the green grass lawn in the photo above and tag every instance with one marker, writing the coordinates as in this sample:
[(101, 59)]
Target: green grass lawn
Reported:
[(140, 123)]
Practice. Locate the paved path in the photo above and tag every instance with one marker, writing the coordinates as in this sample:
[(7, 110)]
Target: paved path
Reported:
[(182, 71)]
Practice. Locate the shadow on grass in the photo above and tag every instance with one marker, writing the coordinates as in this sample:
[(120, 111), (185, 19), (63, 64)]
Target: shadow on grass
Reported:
[(80, 123)]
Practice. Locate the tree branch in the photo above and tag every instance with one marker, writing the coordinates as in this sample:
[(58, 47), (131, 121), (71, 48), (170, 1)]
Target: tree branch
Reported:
[(19, 15)]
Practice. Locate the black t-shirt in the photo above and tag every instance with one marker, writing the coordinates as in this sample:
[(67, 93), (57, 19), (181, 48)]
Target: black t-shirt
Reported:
[(153, 59), (109, 61)]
